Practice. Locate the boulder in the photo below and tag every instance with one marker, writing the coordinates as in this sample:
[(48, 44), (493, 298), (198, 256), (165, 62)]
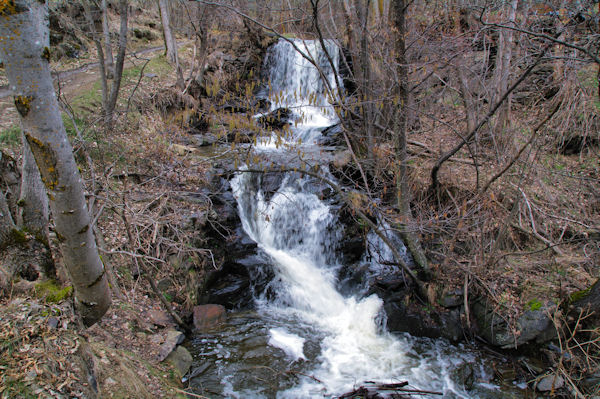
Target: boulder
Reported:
[(550, 382), (181, 360), (452, 299), (332, 136), (277, 119), (533, 325), (172, 339), (207, 317)]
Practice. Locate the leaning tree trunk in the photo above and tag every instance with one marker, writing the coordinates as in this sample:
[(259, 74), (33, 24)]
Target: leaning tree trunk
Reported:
[(26, 57), (170, 42)]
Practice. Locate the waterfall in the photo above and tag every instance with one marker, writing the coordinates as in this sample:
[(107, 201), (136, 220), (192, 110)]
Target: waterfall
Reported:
[(297, 231), (336, 341), (293, 82)]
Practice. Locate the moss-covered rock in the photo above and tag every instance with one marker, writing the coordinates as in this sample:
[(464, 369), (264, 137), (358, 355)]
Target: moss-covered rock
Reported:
[(51, 291)]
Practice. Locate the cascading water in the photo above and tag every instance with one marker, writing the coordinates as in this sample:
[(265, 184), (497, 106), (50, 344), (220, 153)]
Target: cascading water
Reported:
[(309, 339), (295, 83)]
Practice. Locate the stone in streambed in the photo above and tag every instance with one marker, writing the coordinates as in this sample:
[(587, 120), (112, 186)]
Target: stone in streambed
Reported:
[(550, 382), (172, 339), (209, 316)]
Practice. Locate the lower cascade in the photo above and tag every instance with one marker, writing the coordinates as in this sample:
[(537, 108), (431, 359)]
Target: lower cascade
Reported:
[(306, 339)]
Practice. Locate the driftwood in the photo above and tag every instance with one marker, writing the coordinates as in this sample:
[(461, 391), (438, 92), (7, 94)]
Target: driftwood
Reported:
[(372, 391)]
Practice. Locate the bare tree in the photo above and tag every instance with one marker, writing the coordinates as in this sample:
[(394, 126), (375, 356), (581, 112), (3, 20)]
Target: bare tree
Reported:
[(110, 94), (170, 42), (26, 59)]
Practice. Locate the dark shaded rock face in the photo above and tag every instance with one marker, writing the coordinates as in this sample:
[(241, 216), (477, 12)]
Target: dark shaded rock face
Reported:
[(419, 320)]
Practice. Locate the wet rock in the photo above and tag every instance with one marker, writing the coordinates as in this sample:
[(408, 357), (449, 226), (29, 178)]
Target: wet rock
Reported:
[(196, 371), (209, 316), (234, 108), (181, 360), (172, 339), (277, 119), (549, 383), (332, 136), (404, 316), (464, 375), (262, 105)]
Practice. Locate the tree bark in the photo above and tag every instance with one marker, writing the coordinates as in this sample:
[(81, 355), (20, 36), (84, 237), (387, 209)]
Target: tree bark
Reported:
[(110, 63), (403, 195), (502, 72), (114, 93), (26, 59), (33, 201), (170, 42)]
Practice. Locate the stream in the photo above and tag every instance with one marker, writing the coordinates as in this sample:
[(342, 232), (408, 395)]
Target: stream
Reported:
[(308, 337)]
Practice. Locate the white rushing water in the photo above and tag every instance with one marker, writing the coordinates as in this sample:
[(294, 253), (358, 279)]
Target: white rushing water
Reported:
[(295, 83), (298, 232)]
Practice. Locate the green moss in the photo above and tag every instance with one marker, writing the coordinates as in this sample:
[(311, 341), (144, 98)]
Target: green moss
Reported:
[(579, 295), (18, 236), (51, 291), (534, 304)]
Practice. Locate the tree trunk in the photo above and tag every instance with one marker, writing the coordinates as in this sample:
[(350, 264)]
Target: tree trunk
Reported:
[(362, 9), (110, 63), (502, 73), (114, 93), (403, 196), (110, 94), (170, 42), (28, 71), (33, 201)]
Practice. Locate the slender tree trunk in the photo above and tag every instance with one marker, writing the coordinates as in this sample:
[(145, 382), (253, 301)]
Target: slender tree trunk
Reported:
[(403, 195), (170, 42), (362, 8), (202, 37), (110, 93), (502, 72), (33, 201), (122, 49), (27, 66), (110, 63)]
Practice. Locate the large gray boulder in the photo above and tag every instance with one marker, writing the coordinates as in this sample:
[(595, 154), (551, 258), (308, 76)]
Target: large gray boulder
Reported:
[(533, 326)]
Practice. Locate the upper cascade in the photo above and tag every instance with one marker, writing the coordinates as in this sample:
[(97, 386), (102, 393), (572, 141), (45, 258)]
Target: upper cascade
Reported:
[(299, 76)]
